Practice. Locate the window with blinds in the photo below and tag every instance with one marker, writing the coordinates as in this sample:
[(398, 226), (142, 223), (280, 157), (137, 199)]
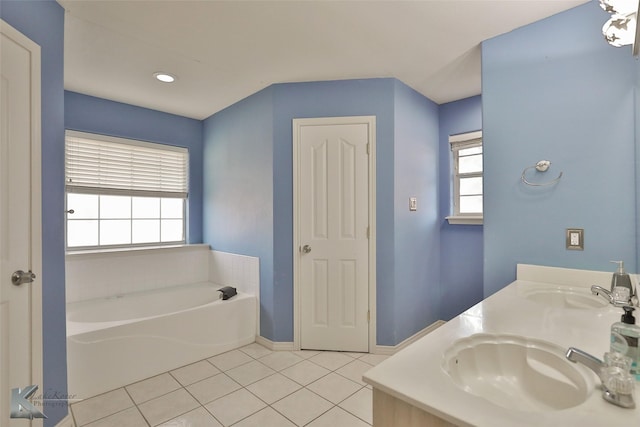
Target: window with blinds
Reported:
[(122, 192), (467, 176)]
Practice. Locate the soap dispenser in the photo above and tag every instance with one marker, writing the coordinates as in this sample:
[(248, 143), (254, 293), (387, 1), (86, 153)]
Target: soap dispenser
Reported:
[(621, 288), (628, 329)]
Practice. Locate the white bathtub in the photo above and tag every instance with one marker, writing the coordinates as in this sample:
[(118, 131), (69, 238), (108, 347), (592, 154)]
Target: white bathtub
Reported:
[(115, 341)]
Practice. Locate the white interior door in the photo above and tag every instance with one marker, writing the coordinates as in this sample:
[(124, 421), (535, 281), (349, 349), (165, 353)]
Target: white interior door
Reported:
[(333, 247), (19, 228)]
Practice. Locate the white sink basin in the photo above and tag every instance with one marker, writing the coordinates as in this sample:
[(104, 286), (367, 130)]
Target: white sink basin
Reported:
[(515, 372), (564, 297)]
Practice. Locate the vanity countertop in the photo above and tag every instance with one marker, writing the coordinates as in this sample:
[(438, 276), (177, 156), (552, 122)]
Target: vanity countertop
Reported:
[(415, 374)]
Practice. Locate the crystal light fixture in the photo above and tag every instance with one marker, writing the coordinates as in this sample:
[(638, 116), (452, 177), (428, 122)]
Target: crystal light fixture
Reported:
[(621, 29)]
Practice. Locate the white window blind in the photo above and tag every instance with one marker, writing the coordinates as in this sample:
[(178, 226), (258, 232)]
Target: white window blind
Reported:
[(98, 164), (466, 140)]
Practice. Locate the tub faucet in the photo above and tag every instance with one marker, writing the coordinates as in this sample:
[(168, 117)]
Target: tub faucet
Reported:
[(621, 395)]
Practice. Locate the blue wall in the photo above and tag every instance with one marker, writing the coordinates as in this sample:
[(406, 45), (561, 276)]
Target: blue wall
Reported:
[(238, 188), (552, 90), (248, 156), (95, 115), (326, 99), (416, 233), (461, 247), (637, 167), (43, 22), (556, 90)]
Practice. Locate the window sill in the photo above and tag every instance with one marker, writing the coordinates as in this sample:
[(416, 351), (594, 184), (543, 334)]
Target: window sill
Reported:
[(465, 219), (134, 249)]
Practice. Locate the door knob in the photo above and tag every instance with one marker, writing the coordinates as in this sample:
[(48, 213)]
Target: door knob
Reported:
[(306, 249), (19, 277)]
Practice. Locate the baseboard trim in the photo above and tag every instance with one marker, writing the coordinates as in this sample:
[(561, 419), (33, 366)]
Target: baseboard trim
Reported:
[(378, 349), (275, 345), (390, 350), (66, 422)]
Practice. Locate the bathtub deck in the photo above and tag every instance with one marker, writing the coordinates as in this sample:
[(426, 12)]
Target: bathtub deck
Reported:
[(244, 387), (114, 353)]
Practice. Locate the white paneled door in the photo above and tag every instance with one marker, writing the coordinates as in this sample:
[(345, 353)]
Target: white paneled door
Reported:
[(332, 198), (20, 236)]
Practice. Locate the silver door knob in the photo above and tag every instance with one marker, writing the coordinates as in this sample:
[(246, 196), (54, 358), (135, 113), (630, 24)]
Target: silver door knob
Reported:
[(306, 249), (19, 277)]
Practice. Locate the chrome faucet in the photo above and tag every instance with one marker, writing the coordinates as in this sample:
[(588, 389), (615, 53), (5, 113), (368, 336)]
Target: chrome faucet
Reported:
[(621, 396), (599, 290), (613, 297), (578, 356)]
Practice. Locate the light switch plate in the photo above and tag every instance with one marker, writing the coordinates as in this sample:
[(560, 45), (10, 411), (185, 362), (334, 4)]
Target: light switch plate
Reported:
[(413, 203), (575, 239)]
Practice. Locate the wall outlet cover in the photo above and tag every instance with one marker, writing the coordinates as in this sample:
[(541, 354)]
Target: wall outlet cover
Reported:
[(575, 239)]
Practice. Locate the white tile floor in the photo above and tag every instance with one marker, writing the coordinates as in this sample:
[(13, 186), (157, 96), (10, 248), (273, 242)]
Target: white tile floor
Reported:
[(248, 387)]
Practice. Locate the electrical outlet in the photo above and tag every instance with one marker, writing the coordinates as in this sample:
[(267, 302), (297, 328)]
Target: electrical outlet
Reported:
[(575, 239)]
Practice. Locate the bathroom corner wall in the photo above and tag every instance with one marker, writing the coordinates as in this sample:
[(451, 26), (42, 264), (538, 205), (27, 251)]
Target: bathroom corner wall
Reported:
[(461, 251), (238, 190), (416, 233), (248, 194)]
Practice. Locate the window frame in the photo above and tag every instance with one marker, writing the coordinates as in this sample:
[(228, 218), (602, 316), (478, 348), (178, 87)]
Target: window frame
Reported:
[(179, 194), (459, 142)]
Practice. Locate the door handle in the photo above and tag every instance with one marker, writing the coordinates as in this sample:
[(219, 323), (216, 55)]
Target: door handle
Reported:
[(306, 249), (19, 277)]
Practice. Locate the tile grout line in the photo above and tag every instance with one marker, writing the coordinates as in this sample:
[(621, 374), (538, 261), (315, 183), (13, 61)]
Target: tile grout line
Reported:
[(302, 386), (136, 406), (245, 387), (330, 371), (108, 415), (200, 405), (333, 405)]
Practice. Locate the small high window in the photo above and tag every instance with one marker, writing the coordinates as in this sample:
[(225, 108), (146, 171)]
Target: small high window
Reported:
[(123, 193), (467, 178)]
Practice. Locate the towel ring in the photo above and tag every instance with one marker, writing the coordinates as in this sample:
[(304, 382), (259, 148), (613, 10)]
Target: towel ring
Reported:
[(541, 166)]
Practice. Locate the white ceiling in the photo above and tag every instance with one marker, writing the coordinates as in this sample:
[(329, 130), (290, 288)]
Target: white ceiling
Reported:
[(223, 51)]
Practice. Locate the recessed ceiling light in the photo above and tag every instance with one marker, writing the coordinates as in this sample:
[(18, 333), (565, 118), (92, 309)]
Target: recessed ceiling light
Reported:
[(165, 77)]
